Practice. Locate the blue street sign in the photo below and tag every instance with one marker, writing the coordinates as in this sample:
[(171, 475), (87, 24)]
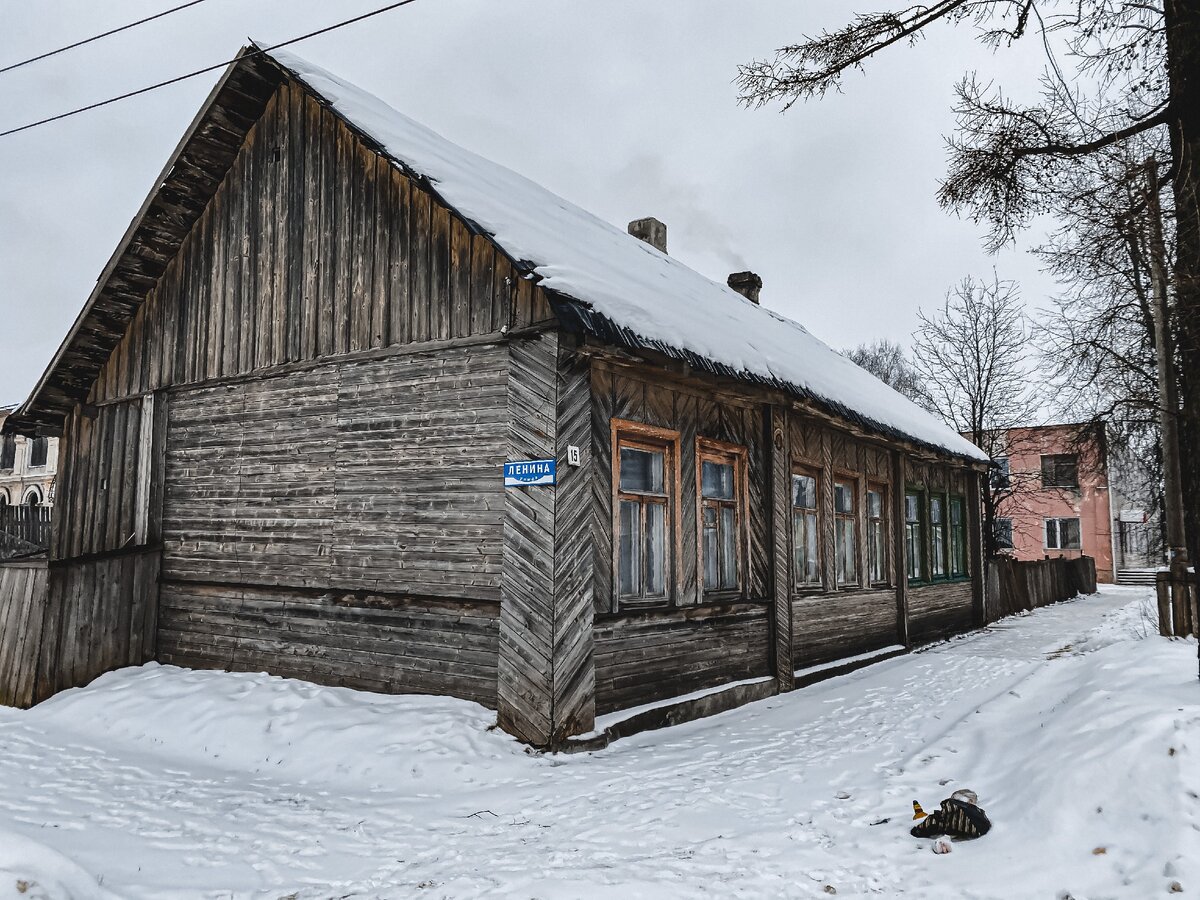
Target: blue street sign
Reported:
[(529, 472)]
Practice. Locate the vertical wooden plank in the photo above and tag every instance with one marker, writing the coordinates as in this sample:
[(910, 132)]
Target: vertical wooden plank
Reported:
[(218, 262), (419, 293), (482, 254), (686, 416), (343, 225), (144, 458), (899, 551), (324, 187), (439, 272), (973, 499), (363, 216), (826, 517), (266, 167), (281, 298), (381, 189), (400, 313), (249, 283), (299, 153), (780, 487), (460, 278), (502, 288)]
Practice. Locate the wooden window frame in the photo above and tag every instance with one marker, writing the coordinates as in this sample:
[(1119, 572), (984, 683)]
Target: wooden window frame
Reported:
[(856, 491), (922, 524), (40, 445), (640, 436), (944, 529), (724, 453), (880, 488), (814, 472)]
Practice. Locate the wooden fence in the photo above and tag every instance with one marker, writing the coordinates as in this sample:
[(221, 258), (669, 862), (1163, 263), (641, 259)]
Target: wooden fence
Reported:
[(24, 530), (1177, 602), (62, 625), (1015, 586), (22, 626)]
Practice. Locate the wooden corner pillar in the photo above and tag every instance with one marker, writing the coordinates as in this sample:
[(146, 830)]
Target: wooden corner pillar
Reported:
[(900, 547), (779, 442), (976, 561), (545, 672)]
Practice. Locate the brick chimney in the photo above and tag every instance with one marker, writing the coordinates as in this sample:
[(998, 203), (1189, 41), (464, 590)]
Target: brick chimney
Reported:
[(650, 230), (747, 284)]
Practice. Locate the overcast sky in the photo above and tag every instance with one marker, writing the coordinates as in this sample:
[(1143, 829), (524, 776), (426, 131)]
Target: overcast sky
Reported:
[(625, 108)]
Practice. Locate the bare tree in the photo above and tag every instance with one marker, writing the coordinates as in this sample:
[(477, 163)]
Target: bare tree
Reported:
[(1006, 157), (888, 362), (972, 356)]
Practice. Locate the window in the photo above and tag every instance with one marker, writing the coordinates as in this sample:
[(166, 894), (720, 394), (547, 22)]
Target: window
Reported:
[(1001, 476), (1060, 470), (644, 481), (1002, 529), (1062, 534), (845, 531), (958, 536), (937, 536), (37, 452), (3, 499), (8, 451), (33, 498), (721, 522), (876, 536), (806, 541), (914, 526)]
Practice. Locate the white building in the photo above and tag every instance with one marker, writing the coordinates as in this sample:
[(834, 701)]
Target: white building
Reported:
[(27, 469)]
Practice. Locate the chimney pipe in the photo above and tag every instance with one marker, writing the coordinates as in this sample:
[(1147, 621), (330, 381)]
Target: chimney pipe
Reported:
[(650, 230), (747, 284)]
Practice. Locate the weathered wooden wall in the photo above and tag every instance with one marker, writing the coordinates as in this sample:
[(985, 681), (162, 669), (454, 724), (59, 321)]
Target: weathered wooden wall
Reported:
[(647, 656), (22, 622), (326, 351), (313, 246), (835, 622), (376, 642), (546, 673), (61, 626)]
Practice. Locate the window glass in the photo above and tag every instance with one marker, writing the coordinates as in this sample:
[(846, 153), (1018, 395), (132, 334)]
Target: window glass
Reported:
[(641, 470), (631, 548), (1060, 470), (914, 545), (717, 480), (937, 536), (1062, 534), (845, 532), (1004, 533), (1000, 476), (643, 518), (876, 540), (806, 569), (720, 540), (958, 536)]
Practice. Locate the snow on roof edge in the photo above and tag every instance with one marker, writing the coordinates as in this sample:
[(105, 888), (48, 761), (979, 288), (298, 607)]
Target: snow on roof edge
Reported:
[(643, 291)]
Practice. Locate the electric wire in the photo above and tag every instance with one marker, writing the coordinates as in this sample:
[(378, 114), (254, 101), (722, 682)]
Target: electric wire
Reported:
[(96, 37), (162, 84)]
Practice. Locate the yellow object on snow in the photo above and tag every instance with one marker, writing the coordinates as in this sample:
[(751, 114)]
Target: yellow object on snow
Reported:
[(918, 813)]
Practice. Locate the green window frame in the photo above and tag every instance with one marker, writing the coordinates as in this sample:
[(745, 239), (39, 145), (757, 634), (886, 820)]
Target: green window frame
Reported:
[(938, 520), (958, 537), (915, 517)]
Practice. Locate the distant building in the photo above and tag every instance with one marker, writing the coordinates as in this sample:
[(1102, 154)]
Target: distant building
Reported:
[(1059, 501), (27, 468)]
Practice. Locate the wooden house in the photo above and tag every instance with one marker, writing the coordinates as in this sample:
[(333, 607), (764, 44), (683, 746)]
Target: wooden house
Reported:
[(285, 410)]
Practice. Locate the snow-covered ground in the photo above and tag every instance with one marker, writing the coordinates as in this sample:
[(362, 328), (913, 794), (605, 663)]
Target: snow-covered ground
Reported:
[(1077, 727)]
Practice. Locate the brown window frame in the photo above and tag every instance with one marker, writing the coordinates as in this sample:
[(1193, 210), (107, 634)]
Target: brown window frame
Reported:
[(854, 482), (1051, 463), (884, 520), (814, 472), (725, 454), (639, 436)]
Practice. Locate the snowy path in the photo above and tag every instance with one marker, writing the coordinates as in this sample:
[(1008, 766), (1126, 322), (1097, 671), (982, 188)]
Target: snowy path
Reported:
[(1077, 731)]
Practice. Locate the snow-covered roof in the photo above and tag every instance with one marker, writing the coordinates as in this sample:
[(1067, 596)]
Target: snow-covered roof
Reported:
[(629, 282)]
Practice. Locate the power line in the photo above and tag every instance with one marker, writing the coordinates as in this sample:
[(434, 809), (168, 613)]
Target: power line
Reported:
[(112, 31), (206, 69)]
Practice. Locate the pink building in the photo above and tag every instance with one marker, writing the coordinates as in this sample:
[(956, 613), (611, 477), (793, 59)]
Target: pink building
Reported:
[(1054, 495)]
